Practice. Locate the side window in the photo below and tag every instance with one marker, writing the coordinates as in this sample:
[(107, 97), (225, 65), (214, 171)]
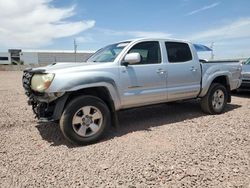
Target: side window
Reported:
[(178, 52), (150, 52)]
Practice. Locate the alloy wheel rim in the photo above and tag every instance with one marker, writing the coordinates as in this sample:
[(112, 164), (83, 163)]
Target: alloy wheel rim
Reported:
[(87, 121), (218, 99)]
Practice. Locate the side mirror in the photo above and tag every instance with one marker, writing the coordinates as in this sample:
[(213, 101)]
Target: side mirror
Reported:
[(132, 58)]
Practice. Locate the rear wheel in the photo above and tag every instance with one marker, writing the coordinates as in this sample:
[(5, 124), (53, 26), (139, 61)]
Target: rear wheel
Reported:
[(215, 100), (85, 120)]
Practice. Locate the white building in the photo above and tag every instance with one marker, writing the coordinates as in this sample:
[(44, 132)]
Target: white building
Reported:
[(53, 56), (43, 57), (5, 58)]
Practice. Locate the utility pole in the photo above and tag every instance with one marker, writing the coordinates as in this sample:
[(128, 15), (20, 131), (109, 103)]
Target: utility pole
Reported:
[(212, 52), (75, 48)]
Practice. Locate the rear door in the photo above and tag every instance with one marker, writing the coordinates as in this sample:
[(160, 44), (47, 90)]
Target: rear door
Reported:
[(184, 72), (145, 82)]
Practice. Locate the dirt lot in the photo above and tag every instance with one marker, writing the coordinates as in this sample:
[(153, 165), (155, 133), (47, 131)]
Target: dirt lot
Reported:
[(160, 146)]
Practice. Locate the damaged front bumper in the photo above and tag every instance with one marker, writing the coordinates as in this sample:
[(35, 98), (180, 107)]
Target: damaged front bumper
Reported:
[(46, 106)]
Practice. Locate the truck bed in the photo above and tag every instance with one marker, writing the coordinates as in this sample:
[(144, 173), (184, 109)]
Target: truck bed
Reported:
[(219, 61)]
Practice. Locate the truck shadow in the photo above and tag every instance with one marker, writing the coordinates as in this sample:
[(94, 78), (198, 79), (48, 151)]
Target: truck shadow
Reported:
[(242, 93), (139, 119)]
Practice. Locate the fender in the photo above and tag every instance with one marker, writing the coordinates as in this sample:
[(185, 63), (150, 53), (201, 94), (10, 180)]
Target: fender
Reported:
[(83, 81), (208, 78)]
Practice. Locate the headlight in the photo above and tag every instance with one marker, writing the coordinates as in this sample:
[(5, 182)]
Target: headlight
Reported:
[(41, 82)]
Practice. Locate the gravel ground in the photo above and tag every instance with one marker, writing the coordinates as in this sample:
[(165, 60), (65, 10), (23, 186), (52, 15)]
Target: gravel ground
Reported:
[(160, 146)]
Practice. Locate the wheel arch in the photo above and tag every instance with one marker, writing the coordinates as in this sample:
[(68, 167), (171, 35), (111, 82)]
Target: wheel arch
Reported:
[(222, 79), (101, 92)]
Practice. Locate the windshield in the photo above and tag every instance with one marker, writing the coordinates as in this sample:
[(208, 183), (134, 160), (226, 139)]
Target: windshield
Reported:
[(108, 53), (247, 62)]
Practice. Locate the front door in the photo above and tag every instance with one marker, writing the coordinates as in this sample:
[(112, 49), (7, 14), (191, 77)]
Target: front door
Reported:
[(144, 83)]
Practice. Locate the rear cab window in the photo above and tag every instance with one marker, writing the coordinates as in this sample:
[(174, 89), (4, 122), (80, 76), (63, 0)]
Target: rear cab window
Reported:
[(178, 52)]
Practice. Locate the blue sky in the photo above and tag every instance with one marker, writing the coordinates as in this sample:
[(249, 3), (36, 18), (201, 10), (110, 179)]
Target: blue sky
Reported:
[(53, 24)]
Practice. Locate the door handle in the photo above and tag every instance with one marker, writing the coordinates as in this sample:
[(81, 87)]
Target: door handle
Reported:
[(161, 71), (193, 69)]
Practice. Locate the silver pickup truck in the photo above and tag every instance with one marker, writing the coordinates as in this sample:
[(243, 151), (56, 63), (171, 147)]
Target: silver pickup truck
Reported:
[(85, 97)]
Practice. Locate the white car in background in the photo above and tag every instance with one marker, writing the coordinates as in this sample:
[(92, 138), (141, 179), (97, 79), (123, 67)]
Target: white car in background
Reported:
[(245, 75)]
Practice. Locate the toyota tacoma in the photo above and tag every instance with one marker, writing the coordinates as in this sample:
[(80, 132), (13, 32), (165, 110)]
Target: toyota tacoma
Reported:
[(85, 97)]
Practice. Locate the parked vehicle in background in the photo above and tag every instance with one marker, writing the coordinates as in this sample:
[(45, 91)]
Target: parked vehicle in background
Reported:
[(86, 96), (246, 75)]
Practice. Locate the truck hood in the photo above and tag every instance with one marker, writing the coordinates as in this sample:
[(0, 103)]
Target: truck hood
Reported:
[(70, 67)]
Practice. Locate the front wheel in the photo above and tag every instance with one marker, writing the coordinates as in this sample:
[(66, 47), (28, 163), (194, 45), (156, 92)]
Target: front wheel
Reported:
[(85, 120), (215, 100)]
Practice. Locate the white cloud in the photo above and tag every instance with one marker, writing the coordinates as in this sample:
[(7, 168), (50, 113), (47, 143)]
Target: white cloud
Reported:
[(137, 34), (35, 23), (235, 30), (203, 8)]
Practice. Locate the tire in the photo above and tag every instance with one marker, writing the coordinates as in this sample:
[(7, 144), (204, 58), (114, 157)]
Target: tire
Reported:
[(215, 100), (85, 120)]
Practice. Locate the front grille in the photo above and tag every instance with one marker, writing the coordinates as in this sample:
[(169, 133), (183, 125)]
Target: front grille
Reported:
[(40, 109), (27, 76)]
